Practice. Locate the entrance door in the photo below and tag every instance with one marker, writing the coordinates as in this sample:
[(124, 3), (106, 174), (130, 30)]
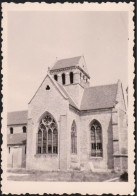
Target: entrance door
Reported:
[(17, 157)]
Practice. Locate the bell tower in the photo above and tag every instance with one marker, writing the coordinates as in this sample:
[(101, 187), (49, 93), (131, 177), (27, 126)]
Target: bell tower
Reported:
[(72, 73)]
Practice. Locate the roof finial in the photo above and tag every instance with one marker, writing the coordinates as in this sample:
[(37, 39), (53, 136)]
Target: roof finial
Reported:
[(48, 69)]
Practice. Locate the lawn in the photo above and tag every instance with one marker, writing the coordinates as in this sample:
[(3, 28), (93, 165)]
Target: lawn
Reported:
[(68, 176)]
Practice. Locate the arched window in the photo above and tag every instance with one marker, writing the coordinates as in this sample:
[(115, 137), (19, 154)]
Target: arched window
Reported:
[(11, 130), (9, 150), (96, 139), (63, 78), (44, 141), (56, 77), (71, 77), (47, 136), (39, 141), (49, 141), (73, 138), (24, 129), (55, 141)]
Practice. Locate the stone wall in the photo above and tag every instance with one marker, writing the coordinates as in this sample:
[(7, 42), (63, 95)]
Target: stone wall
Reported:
[(16, 128), (105, 162), (120, 140), (76, 92), (74, 159), (51, 101)]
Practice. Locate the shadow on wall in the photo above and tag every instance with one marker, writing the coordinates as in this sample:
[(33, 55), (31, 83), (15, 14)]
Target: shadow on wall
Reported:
[(110, 161)]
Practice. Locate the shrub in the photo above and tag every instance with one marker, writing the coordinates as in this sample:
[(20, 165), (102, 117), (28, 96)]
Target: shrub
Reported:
[(124, 176)]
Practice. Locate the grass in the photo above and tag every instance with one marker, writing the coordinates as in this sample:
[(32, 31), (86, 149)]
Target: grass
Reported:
[(58, 176)]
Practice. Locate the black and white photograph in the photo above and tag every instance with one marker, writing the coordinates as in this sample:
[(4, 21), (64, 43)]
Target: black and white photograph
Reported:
[(68, 96)]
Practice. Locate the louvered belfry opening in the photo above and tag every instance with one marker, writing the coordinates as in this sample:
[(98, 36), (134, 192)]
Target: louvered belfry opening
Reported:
[(63, 78), (71, 78)]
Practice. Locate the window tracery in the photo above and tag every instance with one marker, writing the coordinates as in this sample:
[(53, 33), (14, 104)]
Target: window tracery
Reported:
[(47, 136), (96, 139)]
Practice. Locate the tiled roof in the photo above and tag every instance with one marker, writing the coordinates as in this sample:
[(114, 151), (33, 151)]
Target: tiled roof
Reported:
[(99, 97), (64, 63), (18, 117), (18, 138)]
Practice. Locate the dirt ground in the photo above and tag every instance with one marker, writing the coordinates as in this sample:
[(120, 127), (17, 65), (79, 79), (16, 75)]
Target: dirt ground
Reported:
[(64, 176)]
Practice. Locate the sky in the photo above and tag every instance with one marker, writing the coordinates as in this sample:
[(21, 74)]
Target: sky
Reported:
[(37, 38)]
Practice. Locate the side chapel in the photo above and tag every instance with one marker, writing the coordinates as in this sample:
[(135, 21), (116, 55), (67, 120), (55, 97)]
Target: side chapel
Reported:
[(70, 125)]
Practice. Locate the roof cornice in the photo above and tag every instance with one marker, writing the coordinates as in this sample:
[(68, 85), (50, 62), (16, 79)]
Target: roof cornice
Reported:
[(69, 68), (91, 110), (20, 124)]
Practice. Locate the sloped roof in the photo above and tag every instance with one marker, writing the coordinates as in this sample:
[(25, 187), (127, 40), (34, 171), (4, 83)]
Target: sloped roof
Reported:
[(99, 97), (71, 102), (18, 138), (18, 117), (64, 63), (71, 62)]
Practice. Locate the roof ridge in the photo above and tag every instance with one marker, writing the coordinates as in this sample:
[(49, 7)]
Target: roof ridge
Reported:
[(69, 58), (18, 111), (101, 85)]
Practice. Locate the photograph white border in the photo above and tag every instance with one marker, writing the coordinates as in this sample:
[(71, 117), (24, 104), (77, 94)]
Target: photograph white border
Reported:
[(122, 188)]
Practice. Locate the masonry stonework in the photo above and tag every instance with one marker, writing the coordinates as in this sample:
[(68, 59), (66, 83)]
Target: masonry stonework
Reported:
[(70, 102)]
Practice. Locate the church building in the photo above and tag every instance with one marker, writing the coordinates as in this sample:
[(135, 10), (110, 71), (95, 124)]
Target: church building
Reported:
[(70, 124)]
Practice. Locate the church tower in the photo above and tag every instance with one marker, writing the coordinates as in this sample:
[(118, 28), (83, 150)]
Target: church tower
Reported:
[(72, 73)]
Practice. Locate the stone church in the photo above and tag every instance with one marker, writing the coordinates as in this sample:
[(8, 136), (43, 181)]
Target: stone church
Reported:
[(70, 125)]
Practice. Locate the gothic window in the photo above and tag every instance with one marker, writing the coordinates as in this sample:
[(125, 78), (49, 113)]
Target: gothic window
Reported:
[(73, 138), (11, 130), (56, 77), (44, 141), (47, 139), (55, 141), (96, 139), (39, 141), (24, 129), (71, 77), (63, 78)]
